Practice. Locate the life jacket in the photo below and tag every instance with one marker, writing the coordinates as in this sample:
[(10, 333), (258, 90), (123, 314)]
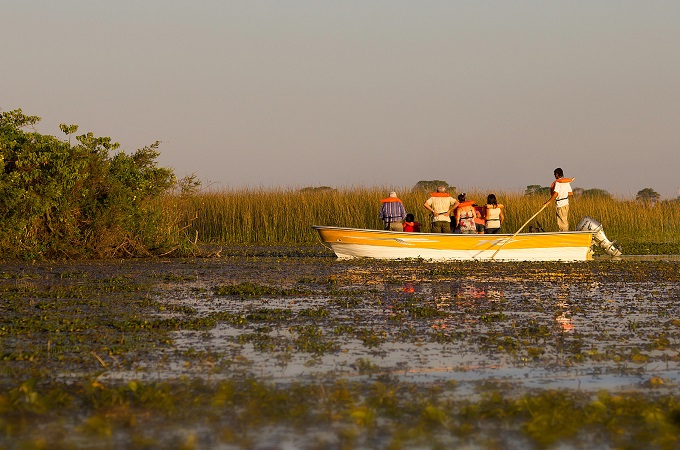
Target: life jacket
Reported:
[(480, 209), (390, 200), (412, 226), (440, 194), (559, 180)]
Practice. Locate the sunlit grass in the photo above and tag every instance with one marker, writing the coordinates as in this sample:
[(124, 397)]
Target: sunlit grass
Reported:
[(285, 216)]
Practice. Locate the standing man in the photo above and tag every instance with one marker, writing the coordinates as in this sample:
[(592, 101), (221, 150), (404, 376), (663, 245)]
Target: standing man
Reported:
[(440, 204), (560, 191), (392, 212)]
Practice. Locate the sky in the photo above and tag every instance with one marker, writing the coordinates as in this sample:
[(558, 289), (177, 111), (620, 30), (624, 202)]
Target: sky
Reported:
[(491, 95)]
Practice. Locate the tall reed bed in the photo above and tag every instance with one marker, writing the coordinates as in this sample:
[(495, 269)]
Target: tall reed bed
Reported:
[(285, 216)]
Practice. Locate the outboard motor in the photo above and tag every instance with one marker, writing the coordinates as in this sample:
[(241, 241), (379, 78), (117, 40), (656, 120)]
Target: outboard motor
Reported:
[(590, 224)]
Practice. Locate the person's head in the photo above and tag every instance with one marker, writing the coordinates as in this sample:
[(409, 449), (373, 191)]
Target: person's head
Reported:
[(441, 188), (461, 197), (409, 218), (393, 194), (559, 173), (491, 199)]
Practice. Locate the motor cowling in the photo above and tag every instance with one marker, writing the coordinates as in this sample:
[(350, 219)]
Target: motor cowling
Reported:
[(590, 224)]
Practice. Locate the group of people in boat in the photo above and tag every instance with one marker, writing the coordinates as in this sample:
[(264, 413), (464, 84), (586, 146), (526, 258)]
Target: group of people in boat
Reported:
[(465, 216)]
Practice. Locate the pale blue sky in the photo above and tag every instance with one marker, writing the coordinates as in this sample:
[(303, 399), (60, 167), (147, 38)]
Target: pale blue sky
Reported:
[(487, 94)]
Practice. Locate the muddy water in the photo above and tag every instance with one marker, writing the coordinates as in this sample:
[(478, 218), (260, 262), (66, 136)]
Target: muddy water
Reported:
[(294, 316), (584, 326), (600, 324)]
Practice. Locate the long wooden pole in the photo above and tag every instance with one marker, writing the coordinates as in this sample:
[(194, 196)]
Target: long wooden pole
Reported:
[(520, 229), (525, 224)]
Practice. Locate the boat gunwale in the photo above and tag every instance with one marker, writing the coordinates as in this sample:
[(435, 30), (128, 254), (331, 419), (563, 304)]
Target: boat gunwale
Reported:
[(410, 233)]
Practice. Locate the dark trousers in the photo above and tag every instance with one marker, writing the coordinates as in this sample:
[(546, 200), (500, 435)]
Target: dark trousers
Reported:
[(441, 226)]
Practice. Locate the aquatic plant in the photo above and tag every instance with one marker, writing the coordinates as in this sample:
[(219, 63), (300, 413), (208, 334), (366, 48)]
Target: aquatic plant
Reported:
[(144, 353), (285, 216), (377, 414)]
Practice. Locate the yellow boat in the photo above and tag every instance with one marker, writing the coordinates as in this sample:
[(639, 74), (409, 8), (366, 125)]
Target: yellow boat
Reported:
[(364, 243)]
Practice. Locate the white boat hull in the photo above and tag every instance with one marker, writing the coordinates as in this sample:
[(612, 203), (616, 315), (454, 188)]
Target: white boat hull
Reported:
[(363, 243)]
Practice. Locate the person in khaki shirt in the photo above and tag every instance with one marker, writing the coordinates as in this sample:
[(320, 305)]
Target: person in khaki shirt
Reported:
[(440, 204)]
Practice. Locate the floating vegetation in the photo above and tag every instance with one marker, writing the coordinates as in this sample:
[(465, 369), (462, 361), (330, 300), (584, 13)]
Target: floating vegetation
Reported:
[(250, 413), (310, 352), (252, 290)]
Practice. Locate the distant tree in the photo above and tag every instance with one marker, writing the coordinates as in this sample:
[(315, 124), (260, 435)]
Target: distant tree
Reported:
[(537, 189), (648, 195), (317, 189), (596, 193), (432, 185)]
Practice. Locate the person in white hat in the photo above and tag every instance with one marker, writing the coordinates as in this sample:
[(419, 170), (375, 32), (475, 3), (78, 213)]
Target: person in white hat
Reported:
[(392, 212)]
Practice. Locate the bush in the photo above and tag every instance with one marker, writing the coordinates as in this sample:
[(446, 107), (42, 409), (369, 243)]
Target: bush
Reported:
[(63, 200)]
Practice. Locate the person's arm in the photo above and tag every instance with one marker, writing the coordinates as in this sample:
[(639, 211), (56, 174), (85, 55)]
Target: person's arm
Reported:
[(552, 197), (452, 207), (434, 212), (501, 216), (429, 208)]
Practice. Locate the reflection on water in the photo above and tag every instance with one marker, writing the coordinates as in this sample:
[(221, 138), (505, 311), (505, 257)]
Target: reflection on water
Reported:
[(461, 331), (565, 322), (564, 319), (547, 330)]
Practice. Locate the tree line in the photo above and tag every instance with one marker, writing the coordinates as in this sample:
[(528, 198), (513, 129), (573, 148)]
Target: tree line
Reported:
[(646, 195)]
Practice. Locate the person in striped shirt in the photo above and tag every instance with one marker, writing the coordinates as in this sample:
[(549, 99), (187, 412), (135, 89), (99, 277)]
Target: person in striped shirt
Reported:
[(392, 212)]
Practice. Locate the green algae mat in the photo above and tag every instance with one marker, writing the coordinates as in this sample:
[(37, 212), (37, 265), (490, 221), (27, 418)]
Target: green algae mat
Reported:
[(284, 349)]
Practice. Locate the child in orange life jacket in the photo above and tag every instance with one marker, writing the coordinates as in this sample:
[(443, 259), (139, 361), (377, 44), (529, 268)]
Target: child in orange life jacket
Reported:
[(410, 224)]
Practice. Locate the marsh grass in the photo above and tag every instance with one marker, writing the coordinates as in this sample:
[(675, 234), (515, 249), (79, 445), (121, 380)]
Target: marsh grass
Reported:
[(285, 216)]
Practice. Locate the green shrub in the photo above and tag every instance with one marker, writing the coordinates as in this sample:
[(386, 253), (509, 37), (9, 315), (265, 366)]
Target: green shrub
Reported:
[(63, 200)]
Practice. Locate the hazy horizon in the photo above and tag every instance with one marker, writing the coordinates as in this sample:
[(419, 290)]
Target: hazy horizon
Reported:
[(490, 94)]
